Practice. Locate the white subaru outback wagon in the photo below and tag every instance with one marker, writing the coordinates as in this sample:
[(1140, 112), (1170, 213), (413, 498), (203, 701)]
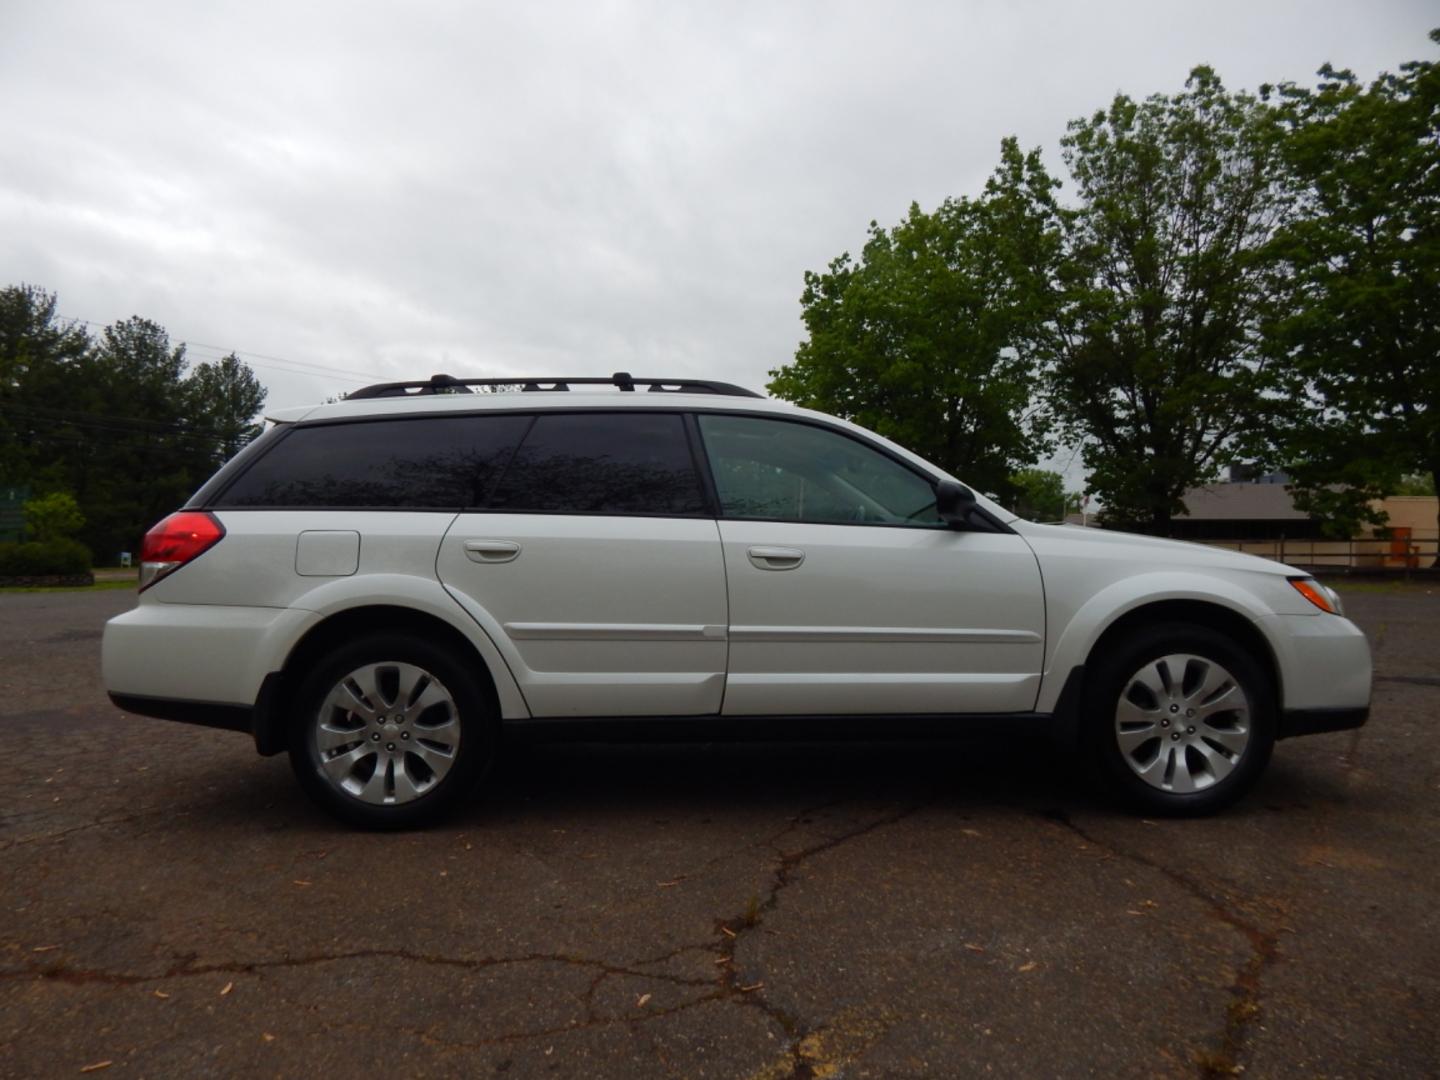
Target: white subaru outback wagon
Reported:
[(384, 585)]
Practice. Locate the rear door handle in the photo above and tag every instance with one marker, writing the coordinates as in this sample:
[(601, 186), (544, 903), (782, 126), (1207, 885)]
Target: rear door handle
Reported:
[(491, 550), (776, 558)]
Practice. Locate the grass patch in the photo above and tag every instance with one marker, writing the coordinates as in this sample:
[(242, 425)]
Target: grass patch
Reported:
[(1344, 585), (99, 586)]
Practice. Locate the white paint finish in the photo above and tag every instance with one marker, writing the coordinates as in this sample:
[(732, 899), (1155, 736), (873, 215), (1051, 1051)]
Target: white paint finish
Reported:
[(252, 566), (491, 551), (1325, 661), (903, 611), (519, 631), (644, 693), (629, 616), (627, 575), (421, 593), (327, 553), (840, 694), (907, 635), (1093, 577), (775, 558), (198, 652)]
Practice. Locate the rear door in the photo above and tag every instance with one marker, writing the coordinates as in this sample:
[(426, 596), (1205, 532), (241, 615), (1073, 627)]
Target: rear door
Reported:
[(848, 594), (596, 568)]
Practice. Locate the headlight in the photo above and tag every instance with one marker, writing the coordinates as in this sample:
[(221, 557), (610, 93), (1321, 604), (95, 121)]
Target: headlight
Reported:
[(1322, 596)]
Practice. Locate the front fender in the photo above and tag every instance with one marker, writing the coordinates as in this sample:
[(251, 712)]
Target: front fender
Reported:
[(1075, 638)]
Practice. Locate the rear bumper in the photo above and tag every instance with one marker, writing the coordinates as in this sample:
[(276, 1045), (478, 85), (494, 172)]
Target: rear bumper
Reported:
[(1318, 721), (264, 720), (203, 713), (210, 654)]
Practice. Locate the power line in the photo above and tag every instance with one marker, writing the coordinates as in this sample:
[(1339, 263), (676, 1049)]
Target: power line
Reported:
[(262, 359), (109, 421)]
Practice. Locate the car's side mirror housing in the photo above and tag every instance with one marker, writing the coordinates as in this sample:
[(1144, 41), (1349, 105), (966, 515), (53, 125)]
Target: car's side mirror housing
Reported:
[(954, 503)]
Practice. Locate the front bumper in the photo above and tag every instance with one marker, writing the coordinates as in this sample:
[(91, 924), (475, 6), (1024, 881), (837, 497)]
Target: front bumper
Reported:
[(1325, 668)]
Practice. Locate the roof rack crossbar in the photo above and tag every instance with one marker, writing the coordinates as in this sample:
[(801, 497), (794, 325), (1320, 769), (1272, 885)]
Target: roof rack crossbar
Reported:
[(448, 384)]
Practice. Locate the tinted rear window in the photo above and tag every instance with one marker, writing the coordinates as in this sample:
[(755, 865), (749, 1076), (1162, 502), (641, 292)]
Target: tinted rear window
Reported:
[(603, 463), (429, 463)]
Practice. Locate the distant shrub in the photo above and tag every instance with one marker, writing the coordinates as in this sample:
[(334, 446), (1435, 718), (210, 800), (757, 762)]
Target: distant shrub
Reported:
[(37, 559), (53, 517)]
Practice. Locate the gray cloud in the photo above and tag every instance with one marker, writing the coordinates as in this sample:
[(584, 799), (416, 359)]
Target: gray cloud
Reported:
[(548, 188)]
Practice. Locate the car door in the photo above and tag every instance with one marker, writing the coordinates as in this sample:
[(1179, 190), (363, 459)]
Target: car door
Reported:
[(595, 566), (848, 594)]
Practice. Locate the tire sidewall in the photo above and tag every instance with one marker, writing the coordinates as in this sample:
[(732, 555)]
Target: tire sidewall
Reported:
[(478, 730), (1110, 678)]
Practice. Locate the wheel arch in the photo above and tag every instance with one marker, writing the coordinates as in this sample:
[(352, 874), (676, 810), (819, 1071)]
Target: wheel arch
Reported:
[(273, 715), (1217, 617)]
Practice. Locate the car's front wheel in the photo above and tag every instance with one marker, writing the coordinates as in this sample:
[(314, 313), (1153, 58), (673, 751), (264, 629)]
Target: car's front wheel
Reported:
[(1180, 719), (390, 732)]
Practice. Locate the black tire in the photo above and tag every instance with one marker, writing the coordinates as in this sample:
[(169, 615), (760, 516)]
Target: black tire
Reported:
[(1198, 757), (458, 732)]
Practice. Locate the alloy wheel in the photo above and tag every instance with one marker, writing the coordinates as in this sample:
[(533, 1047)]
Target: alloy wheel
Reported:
[(1182, 723), (387, 733)]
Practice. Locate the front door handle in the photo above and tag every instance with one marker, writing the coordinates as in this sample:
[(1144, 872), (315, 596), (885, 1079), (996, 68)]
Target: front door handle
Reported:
[(776, 558), (491, 550)]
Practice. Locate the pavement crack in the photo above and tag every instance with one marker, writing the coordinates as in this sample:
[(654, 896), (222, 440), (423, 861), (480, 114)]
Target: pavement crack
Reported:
[(187, 968), (101, 823), (1414, 680), (1264, 951), (799, 1062), (590, 1022)]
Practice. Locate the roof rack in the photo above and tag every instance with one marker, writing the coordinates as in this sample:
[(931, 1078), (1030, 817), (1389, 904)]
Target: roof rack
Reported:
[(448, 384)]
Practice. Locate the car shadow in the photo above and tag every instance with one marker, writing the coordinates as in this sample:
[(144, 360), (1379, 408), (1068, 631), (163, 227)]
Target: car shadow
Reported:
[(621, 780)]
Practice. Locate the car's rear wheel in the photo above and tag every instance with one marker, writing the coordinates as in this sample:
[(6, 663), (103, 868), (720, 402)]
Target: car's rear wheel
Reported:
[(1180, 719), (390, 732)]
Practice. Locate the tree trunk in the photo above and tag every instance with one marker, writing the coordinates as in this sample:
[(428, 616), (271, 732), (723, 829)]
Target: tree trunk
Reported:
[(1435, 483)]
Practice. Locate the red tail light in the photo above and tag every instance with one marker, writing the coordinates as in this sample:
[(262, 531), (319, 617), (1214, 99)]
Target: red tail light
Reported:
[(175, 541)]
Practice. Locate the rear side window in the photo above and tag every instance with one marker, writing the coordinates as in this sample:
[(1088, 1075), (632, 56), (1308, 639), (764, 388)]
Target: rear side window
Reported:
[(430, 463), (603, 463)]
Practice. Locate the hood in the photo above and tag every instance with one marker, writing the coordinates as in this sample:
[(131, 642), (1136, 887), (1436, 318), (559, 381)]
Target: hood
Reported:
[(1110, 544)]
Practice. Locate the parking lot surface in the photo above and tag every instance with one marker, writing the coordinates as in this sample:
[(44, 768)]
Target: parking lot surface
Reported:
[(172, 903)]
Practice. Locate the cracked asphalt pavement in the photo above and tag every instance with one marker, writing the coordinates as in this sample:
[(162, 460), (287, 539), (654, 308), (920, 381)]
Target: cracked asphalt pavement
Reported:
[(173, 904)]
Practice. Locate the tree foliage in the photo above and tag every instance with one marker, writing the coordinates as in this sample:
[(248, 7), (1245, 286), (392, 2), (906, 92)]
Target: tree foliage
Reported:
[(225, 400), (1041, 495), (924, 337), (1359, 325), (37, 351), (118, 421), (1155, 360), (53, 517)]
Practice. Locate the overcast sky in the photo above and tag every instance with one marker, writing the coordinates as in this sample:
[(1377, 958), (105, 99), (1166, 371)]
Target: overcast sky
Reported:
[(365, 191)]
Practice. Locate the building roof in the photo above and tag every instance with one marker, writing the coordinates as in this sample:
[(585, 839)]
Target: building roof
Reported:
[(1241, 502)]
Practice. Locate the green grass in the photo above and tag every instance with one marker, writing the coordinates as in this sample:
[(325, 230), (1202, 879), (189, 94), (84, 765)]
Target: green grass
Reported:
[(1346, 585), (99, 586)]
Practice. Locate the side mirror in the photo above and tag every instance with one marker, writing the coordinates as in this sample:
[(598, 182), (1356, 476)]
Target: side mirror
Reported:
[(954, 503)]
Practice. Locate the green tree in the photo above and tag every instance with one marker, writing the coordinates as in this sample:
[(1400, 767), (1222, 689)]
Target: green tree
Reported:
[(927, 337), (53, 517), (225, 400), (1153, 355), (40, 357), (1041, 495), (115, 420), (1415, 484), (141, 460), (1360, 329)]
